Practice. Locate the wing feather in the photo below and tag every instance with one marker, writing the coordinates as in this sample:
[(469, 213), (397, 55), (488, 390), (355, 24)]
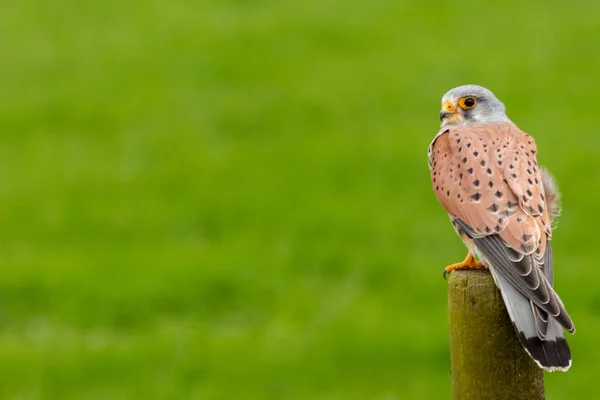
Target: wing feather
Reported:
[(488, 179)]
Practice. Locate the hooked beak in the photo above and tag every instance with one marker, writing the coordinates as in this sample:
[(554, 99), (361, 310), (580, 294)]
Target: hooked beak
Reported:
[(448, 110), (445, 114)]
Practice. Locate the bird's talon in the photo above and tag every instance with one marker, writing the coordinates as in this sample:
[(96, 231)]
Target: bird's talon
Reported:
[(468, 263)]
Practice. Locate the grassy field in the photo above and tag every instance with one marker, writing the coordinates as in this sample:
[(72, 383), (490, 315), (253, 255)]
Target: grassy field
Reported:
[(230, 199)]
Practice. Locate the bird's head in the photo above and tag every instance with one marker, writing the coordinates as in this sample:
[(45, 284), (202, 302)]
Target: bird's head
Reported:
[(471, 104)]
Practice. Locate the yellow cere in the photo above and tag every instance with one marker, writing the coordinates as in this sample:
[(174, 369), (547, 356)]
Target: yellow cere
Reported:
[(448, 106)]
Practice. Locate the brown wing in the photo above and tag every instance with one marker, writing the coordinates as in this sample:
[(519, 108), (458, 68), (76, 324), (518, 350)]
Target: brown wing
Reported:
[(487, 178), (487, 175)]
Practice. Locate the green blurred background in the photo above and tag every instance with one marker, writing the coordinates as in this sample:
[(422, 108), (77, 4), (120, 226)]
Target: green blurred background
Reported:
[(231, 200)]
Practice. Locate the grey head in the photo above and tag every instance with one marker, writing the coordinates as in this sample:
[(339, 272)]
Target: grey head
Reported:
[(471, 104)]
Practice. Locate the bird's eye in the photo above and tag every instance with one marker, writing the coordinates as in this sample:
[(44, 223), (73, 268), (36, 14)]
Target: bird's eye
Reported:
[(467, 102)]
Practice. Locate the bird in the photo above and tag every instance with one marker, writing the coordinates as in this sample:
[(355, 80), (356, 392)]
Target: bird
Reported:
[(503, 205)]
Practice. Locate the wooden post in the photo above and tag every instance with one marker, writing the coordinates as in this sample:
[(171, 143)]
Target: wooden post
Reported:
[(487, 359)]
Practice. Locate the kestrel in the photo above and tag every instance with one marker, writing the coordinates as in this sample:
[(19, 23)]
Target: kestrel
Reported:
[(502, 204)]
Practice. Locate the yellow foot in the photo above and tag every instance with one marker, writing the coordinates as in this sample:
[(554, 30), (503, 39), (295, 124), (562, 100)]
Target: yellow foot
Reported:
[(468, 263)]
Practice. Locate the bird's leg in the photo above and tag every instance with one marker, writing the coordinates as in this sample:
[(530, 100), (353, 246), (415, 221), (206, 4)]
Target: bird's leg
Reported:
[(468, 263)]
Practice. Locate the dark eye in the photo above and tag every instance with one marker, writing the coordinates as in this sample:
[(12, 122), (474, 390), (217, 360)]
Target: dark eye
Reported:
[(467, 102)]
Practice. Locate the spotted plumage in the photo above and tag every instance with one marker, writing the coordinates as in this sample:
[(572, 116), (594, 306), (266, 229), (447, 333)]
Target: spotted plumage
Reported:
[(485, 173)]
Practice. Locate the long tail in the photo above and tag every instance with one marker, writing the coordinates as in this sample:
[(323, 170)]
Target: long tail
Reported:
[(541, 335)]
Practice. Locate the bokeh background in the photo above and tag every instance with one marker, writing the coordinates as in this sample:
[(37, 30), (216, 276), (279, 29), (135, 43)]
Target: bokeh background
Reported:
[(230, 199)]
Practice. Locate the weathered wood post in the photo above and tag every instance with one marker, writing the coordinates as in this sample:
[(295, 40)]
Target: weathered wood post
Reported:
[(487, 360)]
